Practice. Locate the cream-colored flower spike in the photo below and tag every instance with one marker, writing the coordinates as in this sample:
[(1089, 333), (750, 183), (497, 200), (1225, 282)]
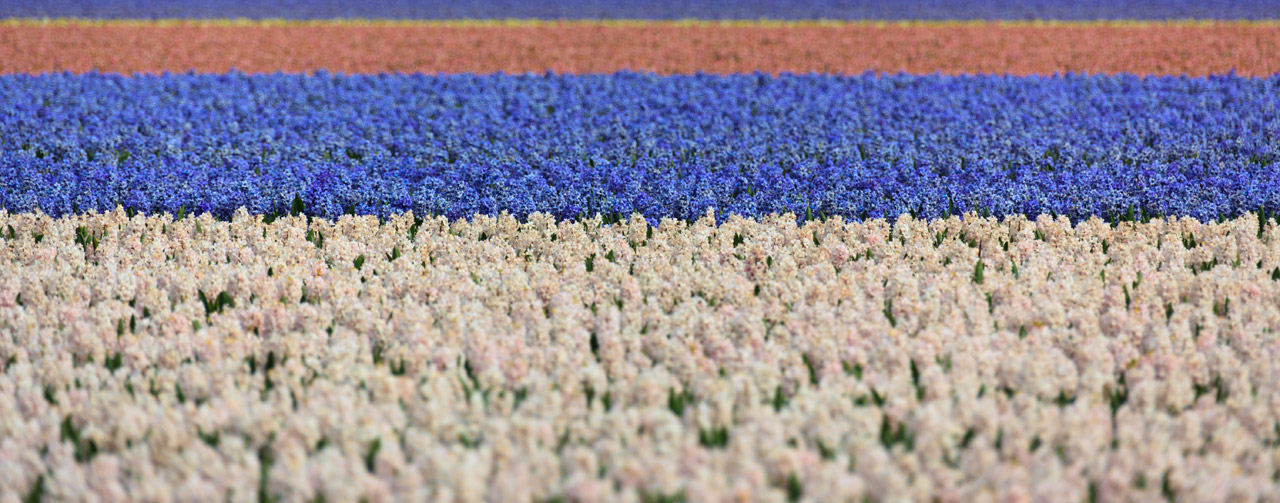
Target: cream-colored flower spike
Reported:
[(491, 360)]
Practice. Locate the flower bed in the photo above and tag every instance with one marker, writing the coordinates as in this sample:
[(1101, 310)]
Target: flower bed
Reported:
[(1191, 48), (756, 360), (576, 146)]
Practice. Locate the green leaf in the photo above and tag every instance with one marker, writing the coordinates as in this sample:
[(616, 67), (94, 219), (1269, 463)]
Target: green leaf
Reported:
[(36, 494), (676, 402), (114, 362), (372, 453), (813, 371), (794, 489), (714, 438), (779, 399)]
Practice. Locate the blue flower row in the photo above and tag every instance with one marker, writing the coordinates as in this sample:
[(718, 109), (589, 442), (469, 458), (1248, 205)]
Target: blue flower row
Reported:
[(571, 146), (649, 9)]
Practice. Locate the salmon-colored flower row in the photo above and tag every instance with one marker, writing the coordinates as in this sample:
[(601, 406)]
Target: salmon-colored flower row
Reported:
[(959, 359), (666, 48)]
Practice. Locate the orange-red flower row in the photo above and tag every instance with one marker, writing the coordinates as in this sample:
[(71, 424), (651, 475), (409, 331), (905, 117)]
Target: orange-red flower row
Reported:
[(666, 48)]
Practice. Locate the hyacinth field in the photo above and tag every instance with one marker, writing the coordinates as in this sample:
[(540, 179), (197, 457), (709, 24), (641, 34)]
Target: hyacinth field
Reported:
[(640, 252)]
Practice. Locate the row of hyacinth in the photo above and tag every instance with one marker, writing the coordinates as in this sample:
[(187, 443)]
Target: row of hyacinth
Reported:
[(652, 9), (574, 146), (960, 359)]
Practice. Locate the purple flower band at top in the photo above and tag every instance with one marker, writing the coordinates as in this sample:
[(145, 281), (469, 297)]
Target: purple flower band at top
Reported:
[(650, 9)]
